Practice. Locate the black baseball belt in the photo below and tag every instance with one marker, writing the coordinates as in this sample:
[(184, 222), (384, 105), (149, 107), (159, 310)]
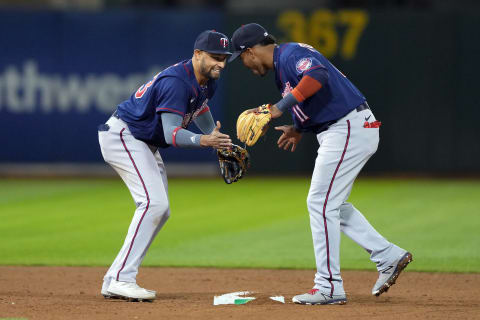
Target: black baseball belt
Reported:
[(324, 126), (106, 127), (363, 106)]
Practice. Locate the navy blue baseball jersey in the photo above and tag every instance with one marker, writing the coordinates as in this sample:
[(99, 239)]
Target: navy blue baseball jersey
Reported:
[(176, 90), (337, 97)]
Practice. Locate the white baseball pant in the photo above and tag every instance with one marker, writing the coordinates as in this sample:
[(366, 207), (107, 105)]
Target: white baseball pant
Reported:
[(141, 168), (343, 151)]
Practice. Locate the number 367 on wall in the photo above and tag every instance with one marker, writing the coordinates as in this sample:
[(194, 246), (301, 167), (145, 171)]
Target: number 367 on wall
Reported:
[(329, 32)]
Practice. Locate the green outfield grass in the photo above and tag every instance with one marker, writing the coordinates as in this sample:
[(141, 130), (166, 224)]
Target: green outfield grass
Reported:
[(258, 222)]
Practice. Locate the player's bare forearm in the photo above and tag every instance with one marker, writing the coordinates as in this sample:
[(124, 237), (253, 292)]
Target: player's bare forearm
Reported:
[(276, 113), (216, 139)]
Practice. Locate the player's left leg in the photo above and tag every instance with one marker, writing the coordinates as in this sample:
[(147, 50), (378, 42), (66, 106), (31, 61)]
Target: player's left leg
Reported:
[(163, 173), (363, 144), (389, 258), (357, 228)]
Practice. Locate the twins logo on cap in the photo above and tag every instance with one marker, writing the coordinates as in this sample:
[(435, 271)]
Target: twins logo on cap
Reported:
[(303, 64), (224, 42)]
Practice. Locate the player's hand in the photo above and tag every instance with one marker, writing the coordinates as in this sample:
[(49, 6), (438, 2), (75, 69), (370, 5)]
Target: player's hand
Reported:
[(274, 111), (289, 138), (216, 139)]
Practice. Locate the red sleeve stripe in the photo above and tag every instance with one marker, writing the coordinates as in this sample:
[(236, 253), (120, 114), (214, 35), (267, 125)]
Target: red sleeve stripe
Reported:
[(204, 110), (312, 68), (306, 88), (298, 95), (174, 135), (170, 110)]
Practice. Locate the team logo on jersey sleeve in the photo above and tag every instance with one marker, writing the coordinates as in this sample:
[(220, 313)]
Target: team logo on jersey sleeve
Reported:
[(303, 64)]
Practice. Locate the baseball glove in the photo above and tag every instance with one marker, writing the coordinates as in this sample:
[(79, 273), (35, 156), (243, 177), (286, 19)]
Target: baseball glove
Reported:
[(234, 163), (251, 126)]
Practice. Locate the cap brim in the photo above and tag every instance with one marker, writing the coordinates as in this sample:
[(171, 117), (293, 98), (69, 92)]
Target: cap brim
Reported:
[(234, 56), (228, 53)]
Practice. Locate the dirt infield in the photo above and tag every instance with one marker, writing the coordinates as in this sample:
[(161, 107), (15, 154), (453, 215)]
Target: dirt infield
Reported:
[(187, 293)]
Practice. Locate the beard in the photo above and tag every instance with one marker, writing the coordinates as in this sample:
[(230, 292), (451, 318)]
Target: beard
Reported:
[(214, 75), (209, 72)]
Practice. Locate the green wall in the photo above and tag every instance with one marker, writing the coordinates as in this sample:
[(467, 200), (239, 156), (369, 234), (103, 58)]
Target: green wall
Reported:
[(416, 70)]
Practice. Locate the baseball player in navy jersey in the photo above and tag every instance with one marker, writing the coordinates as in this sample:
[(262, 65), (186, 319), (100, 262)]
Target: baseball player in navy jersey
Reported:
[(323, 101), (157, 116)]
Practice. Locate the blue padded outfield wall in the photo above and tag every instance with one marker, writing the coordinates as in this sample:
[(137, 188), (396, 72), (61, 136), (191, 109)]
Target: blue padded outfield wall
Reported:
[(62, 74)]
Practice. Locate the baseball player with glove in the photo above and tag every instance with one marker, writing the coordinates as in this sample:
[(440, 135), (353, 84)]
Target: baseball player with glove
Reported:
[(323, 101), (157, 116)]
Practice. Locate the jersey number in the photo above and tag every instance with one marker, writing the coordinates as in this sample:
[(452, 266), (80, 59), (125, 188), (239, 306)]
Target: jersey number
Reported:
[(141, 91)]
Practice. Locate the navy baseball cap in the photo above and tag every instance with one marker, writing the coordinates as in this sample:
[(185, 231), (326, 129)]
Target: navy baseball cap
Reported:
[(245, 37), (213, 42)]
